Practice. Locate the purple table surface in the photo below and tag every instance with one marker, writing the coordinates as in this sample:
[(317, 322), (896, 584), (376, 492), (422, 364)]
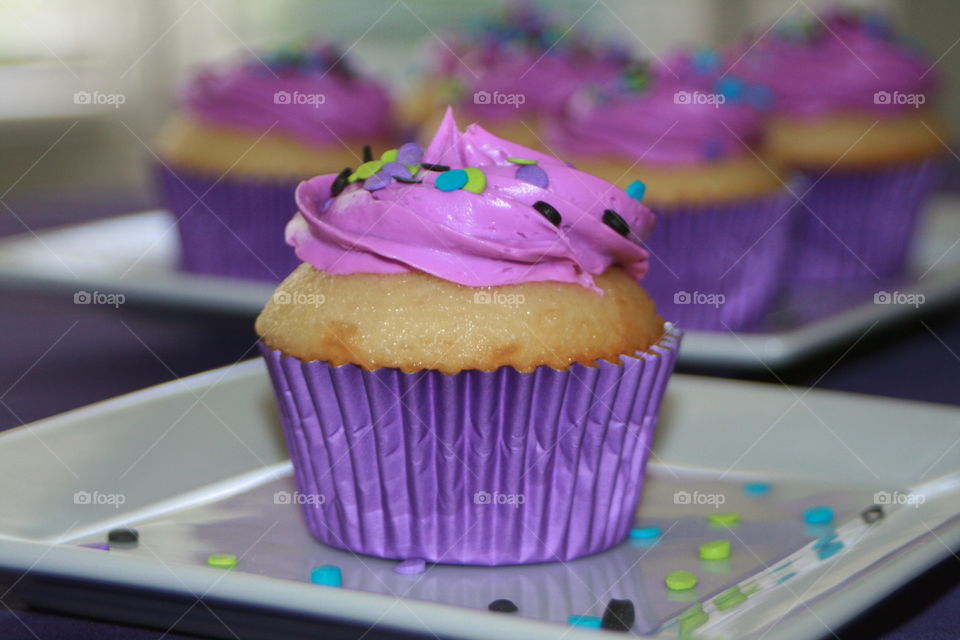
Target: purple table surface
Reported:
[(57, 356)]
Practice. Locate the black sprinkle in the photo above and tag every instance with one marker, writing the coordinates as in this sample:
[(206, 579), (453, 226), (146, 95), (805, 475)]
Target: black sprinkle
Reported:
[(613, 220), (367, 153), (340, 183), (123, 536), (434, 167), (408, 180), (547, 211), (619, 615), (503, 605), (872, 514)]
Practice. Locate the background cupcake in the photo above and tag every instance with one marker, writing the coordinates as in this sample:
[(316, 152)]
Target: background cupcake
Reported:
[(245, 135), (466, 367), (853, 113), (683, 133), (510, 70)]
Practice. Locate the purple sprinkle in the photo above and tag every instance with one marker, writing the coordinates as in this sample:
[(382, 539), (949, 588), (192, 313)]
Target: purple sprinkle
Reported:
[(410, 153), (411, 566), (326, 204), (102, 546), (395, 170), (533, 174), (379, 180)]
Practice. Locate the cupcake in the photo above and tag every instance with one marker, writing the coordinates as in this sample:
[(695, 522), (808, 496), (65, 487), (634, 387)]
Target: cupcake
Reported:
[(684, 134), (508, 71), (245, 136), (466, 368), (853, 113)]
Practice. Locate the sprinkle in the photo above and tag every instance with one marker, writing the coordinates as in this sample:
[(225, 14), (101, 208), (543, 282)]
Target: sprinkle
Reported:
[(102, 546), (408, 180), (395, 170), (822, 542), (390, 155), (367, 153), (644, 533), (613, 220), (692, 618), (680, 580), (818, 515), (366, 170), (619, 615), (872, 514), (590, 622), (328, 575), (451, 180), (637, 190), (222, 560), (786, 577), (532, 174), (705, 60), (523, 161), (723, 519), (829, 550), (502, 605), (729, 599), (756, 488), (434, 167), (340, 183), (476, 180), (377, 181), (730, 87), (715, 550), (548, 212), (123, 537), (409, 153), (411, 566)]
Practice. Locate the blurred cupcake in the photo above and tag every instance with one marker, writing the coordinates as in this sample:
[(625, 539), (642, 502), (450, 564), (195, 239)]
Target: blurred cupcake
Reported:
[(683, 134), (509, 71), (466, 367), (243, 138), (853, 113)]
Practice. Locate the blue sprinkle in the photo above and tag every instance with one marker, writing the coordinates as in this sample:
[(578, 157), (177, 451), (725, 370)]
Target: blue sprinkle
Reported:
[(822, 542), (730, 87), (637, 190), (328, 575), (377, 181), (590, 622), (410, 153), (644, 533), (451, 180), (829, 550), (786, 577), (705, 61), (818, 515), (532, 174), (395, 170), (756, 488)]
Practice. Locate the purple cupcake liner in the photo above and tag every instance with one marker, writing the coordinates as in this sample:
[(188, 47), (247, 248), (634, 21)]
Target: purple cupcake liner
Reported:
[(720, 267), (859, 225), (485, 468), (236, 228)]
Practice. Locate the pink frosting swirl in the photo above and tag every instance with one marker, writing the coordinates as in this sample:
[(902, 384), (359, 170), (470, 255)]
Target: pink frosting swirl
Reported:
[(310, 94), (495, 237), (849, 62)]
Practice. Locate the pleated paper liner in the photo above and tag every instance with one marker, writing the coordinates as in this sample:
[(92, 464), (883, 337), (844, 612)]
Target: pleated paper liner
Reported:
[(485, 468)]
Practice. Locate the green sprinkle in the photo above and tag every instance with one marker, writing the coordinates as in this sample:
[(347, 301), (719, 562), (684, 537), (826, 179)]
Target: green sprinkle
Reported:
[(476, 180), (729, 599), (680, 580), (222, 560), (692, 618), (521, 161), (366, 170), (413, 168), (723, 519), (390, 155), (715, 550)]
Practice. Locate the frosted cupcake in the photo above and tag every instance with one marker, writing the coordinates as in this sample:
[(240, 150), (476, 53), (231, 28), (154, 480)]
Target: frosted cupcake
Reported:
[(466, 367), (509, 71), (683, 134), (853, 113), (242, 139)]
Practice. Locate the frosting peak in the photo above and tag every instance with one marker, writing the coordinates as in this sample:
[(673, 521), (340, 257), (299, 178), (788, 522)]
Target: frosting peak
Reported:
[(476, 210)]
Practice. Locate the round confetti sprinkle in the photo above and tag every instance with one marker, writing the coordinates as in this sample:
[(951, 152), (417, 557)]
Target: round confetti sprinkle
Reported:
[(692, 618), (729, 599), (434, 167), (412, 566), (715, 550), (756, 488), (532, 174), (637, 190), (548, 212), (723, 519), (409, 153), (340, 182), (395, 170), (377, 181), (590, 622), (366, 170), (451, 180), (872, 514), (123, 537), (619, 615), (644, 533), (367, 153), (524, 161), (328, 575), (390, 155), (502, 605), (680, 580), (222, 560), (613, 220), (818, 515), (476, 180)]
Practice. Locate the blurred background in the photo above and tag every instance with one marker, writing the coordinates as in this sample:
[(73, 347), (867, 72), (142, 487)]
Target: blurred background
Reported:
[(140, 49)]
